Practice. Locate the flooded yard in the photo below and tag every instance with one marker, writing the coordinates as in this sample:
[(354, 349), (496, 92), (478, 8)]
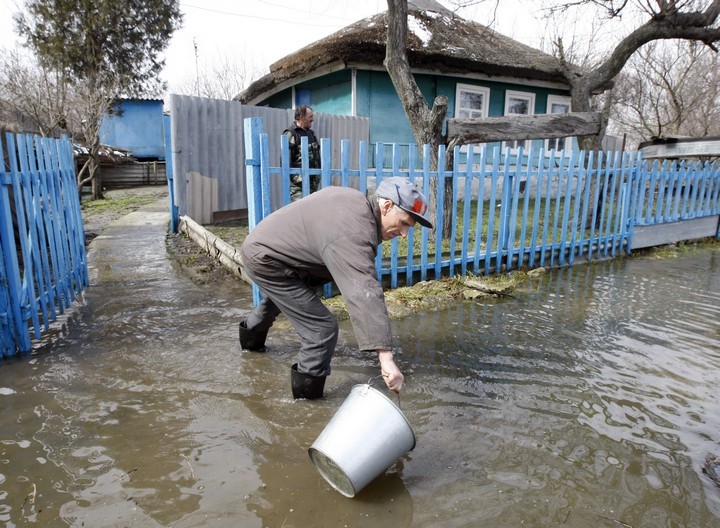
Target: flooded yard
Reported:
[(589, 399)]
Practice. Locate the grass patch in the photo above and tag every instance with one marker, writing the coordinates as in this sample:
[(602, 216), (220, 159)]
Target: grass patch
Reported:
[(436, 295), (120, 206), (231, 233)]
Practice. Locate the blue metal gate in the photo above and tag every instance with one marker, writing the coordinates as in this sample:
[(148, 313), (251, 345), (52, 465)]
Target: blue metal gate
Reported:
[(43, 266)]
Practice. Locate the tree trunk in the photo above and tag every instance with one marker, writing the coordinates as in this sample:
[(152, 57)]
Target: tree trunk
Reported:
[(426, 123), (94, 170)]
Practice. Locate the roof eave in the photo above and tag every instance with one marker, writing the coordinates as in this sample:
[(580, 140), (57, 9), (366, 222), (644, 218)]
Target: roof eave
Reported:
[(267, 86)]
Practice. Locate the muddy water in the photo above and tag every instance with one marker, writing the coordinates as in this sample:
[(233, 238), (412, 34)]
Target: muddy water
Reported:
[(588, 400)]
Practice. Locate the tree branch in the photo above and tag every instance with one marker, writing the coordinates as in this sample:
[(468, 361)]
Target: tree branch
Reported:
[(667, 24)]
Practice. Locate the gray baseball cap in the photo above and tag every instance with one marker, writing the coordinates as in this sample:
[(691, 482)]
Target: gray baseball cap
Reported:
[(403, 194)]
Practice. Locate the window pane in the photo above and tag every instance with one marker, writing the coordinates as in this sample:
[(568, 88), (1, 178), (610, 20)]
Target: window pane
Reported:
[(515, 144), (518, 106), (559, 144), (472, 100), (470, 114), (559, 108)]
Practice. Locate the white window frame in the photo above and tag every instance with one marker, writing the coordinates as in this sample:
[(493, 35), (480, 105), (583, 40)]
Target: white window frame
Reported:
[(482, 90), (484, 111), (530, 98), (559, 144)]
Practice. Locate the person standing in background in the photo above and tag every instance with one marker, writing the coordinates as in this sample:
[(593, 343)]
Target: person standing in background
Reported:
[(300, 128)]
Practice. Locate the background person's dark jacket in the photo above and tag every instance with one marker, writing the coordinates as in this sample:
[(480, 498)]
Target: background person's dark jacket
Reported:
[(294, 134)]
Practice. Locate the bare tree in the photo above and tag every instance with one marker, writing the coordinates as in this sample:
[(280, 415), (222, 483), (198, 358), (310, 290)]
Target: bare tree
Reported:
[(692, 20), (86, 111), (223, 79), (669, 89), (35, 97), (426, 122), (106, 48)]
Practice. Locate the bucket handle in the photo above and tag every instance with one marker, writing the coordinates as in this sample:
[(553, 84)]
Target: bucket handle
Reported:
[(370, 382)]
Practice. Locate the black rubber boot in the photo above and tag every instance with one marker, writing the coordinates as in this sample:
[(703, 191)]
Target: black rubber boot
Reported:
[(250, 340), (305, 385)]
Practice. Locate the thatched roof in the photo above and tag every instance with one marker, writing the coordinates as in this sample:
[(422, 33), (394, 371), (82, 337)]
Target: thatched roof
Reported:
[(438, 41)]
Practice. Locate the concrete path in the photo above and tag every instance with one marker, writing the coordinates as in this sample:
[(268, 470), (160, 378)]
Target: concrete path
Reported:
[(132, 248)]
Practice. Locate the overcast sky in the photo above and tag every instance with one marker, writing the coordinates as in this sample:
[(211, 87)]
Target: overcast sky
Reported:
[(259, 32)]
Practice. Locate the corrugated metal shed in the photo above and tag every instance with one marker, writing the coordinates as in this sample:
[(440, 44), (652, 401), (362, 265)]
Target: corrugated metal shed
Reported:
[(208, 151)]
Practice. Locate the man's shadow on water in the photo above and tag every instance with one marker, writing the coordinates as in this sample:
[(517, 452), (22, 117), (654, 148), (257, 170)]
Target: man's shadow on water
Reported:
[(292, 491)]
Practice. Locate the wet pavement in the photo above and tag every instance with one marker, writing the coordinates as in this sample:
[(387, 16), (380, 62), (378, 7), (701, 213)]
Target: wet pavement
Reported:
[(587, 400)]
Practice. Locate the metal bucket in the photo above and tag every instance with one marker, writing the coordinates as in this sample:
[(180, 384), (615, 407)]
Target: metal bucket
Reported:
[(366, 435)]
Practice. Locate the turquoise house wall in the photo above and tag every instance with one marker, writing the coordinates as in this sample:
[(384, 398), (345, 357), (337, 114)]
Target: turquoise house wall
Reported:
[(377, 99), (329, 94), (279, 100)]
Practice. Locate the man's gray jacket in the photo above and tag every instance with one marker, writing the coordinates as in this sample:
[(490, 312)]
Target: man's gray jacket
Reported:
[(332, 234)]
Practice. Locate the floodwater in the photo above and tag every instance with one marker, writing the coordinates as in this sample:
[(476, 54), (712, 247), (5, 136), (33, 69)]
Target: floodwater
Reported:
[(587, 400)]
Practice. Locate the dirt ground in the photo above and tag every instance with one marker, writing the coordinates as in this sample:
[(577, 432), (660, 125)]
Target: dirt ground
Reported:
[(194, 261)]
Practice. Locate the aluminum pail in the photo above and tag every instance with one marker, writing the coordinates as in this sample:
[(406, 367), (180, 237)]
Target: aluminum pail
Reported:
[(367, 434)]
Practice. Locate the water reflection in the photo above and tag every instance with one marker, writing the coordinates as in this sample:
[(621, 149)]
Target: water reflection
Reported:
[(591, 395), (588, 400)]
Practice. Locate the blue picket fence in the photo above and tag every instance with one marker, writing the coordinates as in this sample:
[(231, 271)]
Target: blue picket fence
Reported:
[(43, 266), (676, 190), (508, 210)]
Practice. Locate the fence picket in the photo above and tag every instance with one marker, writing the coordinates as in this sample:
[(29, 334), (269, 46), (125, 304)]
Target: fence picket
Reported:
[(52, 176), (467, 191), (452, 249), (425, 233), (412, 175), (510, 189)]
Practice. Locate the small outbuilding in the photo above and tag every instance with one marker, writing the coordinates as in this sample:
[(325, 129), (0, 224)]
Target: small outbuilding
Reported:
[(137, 126), (133, 137)]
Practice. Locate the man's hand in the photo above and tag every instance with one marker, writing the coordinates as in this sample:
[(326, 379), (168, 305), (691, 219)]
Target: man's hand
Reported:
[(390, 373)]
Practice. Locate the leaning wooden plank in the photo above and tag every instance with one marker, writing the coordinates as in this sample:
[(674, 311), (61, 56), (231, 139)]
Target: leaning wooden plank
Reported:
[(214, 246)]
